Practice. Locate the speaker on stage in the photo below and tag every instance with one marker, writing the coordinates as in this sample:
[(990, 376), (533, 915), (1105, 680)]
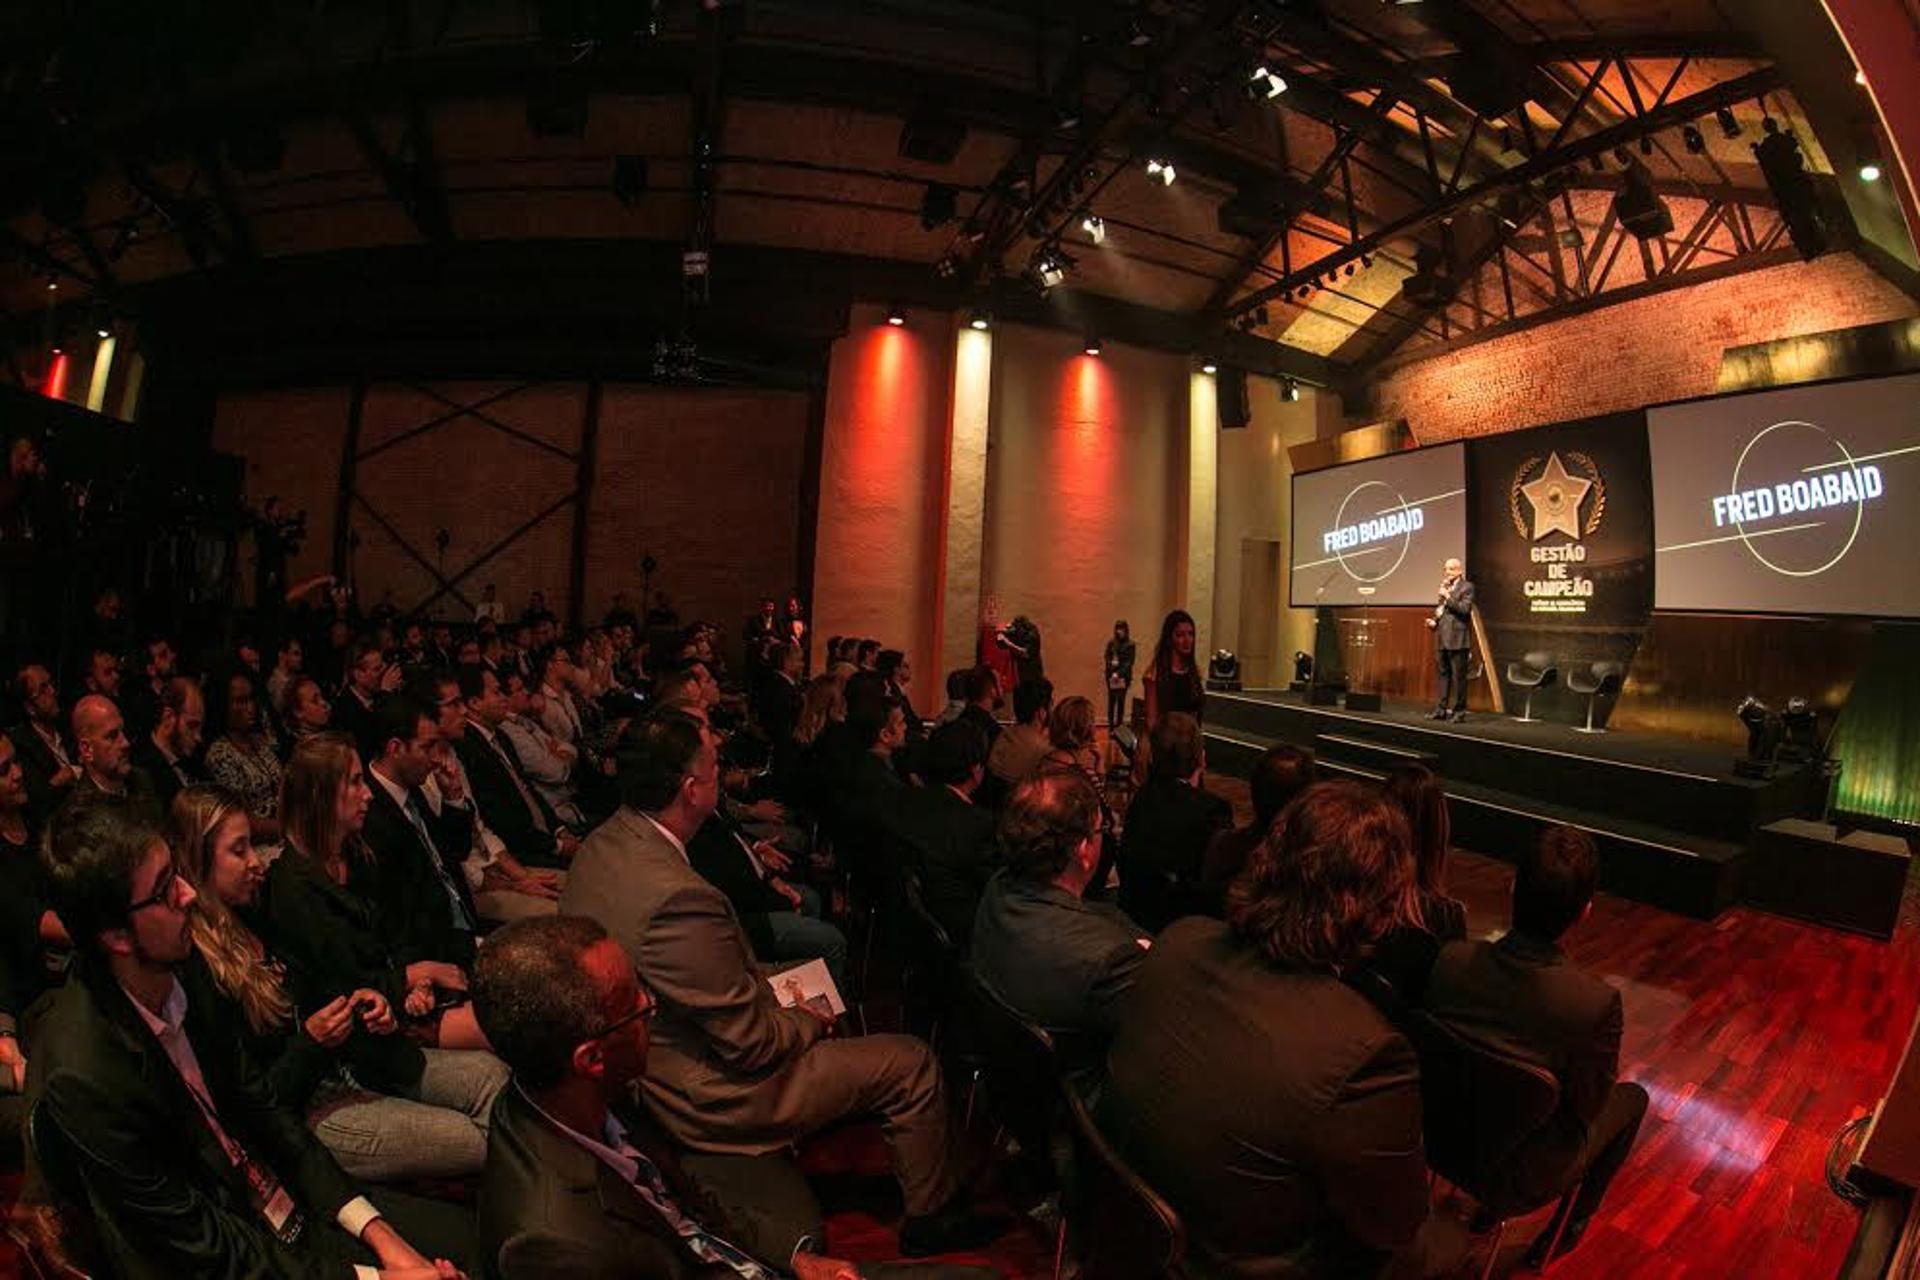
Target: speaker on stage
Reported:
[(1230, 395)]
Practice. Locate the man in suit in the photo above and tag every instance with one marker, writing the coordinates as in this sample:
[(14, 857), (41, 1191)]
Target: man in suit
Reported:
[(570, 1187), (1065, 963), (894, 668), (948, 838), (1522, 997), (983, 696), (170, 754), (152, 1114), (47, 754), (778, 695), (1016, 754), (507, 800), (1169, 826), (731, 1070), (416, 881), (1452, 627), (368, 676)]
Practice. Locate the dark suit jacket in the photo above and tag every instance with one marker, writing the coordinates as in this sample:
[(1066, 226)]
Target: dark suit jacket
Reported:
[(168, 779), (1524, 998), (1454, 628), (983, 721), (1066, 963), (716, 854), (550, 1208), (501, 804), (403, 884), (164, 1199), (777, 707), (950, 844), (1276, 1109), (39, 766), (1169, 826), (329, 936)]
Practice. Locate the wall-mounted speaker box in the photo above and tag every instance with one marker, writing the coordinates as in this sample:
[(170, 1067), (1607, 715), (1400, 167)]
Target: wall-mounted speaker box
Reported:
[(1811, 871), (1230, 395)]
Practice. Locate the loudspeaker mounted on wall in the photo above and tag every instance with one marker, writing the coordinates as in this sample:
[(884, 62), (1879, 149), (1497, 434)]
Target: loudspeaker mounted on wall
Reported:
[(1230, 396)]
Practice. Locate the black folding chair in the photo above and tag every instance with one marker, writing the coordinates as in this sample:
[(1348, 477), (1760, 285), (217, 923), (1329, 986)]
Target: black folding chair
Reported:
[(1024, 1091), (1122, 1228), (1479, 1107)]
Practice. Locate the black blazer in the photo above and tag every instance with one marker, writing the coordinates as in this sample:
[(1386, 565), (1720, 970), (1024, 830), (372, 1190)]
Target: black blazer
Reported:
[(164, 1198), (506, 812), (39, 766), (403, 883), (1275, 1108), (329, 935), (1169, 826), (716, 854), (549, 1207), (950, 845), (983, 721), (1524, 998), (1453, 625), (168, 779)]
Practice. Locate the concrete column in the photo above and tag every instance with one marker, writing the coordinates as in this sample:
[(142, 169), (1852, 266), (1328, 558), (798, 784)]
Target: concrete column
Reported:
[(964, 527), (1203, 441)]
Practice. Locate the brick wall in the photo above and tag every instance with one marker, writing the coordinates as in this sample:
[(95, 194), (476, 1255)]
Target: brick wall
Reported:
[(1635, 353)]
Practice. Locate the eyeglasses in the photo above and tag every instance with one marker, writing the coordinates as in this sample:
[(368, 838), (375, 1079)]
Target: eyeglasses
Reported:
[(644, 1013), (165, 891)]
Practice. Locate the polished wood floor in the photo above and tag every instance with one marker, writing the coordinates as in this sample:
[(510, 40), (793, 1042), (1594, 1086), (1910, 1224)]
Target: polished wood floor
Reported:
[(1758, 1038)]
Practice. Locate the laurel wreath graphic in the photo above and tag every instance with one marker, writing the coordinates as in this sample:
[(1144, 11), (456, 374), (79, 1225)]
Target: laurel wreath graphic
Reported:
[(1583, 463)]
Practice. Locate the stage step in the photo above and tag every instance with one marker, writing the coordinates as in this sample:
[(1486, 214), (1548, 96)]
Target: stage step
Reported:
[(1684, 872)]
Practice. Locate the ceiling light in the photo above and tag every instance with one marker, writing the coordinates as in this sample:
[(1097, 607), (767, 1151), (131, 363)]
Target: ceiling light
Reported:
[(1690, 134), (1049, 268), (1859, 77), (978, 319), (1728, 125), (1271, 83), (1092, 346), (1289, 389), (1209, 367), (1869, 172), (896, 315), (107, 333), (1161, 169), (1095, 228)]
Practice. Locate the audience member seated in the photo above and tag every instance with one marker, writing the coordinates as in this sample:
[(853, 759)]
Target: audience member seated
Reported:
[(800, 773), (241, 756), (308, 712), (101, 675), (1070, 742), (1522, 997), (956, 697), (165, 1128), (559, 716), (47, 754), (106, 757), (778, 696), (983, 695), (1282, 772), (1423, 798), (415, 879), (289, 663), (782, 920), (387, 1109), (1016, 754), (1065, 963), (323, 923), (894, 669), (140, 699), (545, 761), (170, 755), (1272, 1105), (32, 944), (1169, 826), (949, 840), (505, 797), (503, 887), (731, 1070)]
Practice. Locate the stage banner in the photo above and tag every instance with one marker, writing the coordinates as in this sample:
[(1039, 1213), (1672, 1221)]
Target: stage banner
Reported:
[(1560, 548)]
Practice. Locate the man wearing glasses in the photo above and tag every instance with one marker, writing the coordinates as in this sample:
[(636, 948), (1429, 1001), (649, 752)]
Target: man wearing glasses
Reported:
[(151, 1115)]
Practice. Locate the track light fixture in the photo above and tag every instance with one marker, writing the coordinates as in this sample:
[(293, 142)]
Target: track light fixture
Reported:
[(1869, 172), (1266, 83), (1161, 169), (1092, 345), (1690, 134), (1095, 227), (1289, 390), (896, 315), (1209, 368), (979, 320), (1728, 125)]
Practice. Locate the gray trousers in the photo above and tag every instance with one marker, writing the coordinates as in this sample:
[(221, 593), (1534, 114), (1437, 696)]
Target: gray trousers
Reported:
[(437, 1130)]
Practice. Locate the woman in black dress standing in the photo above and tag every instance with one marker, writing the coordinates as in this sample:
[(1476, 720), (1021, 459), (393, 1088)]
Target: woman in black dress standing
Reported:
[(1173, 681), (1119, 664)]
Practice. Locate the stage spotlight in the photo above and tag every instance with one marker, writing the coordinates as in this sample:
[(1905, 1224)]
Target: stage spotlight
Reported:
[(1049, 268), (1302, 666), (1289, 389), (1266, 83), (896, 315), (1161, 169), (1304, 292), (1350, 268), (1869, 172), (1366, 261), (1728, 125), (1095, 227), (1223, 670), (1091, 346), (979, 320), (1639, 207), (1763, 736), (1696, 143)]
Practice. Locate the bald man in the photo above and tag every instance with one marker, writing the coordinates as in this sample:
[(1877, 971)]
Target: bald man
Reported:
[(106, 757), (1452, 626)]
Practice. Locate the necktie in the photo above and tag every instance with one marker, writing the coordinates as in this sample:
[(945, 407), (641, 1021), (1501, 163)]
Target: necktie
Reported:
[(419, 819), (704, 1245), (542, 817)]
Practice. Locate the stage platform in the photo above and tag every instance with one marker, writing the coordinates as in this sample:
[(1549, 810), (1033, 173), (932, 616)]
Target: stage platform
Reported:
[(1673, 822)]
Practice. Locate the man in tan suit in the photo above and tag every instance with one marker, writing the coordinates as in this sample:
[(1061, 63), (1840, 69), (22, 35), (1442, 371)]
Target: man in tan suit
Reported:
[(730, 1069)]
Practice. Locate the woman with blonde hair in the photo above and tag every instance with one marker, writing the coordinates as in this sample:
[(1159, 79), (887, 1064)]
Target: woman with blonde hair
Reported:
[(404, 1112), (1070, 731)]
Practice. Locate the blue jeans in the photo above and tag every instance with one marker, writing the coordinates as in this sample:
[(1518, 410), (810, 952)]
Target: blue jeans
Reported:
[(803, 935)]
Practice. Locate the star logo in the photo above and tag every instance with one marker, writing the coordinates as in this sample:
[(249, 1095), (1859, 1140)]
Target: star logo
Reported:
[(1555, 498)]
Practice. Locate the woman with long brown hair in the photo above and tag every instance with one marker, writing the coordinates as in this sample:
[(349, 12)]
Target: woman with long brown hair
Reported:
[(321, 909), (1423, 798), (405, 1112), (1173, 680)]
